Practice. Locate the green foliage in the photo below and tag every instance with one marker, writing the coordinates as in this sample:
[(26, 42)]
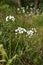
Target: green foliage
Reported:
[(28, 50), (20, 49), (38, 20), (2, 7)]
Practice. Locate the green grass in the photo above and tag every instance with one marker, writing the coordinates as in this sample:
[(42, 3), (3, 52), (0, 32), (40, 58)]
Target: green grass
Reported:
[(29, 51)]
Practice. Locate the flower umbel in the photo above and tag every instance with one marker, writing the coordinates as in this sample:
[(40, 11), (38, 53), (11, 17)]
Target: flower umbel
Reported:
[(29, 33), (10, 17)]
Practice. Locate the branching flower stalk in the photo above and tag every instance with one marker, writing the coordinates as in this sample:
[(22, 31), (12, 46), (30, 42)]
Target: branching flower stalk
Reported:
[(10, 48), (2, 51), (9, 61), (14, 58)]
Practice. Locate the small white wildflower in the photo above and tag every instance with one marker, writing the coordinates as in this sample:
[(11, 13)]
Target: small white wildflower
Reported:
[(23, 10), (18, 9), (30, 32), (16, 30), (31, 4), (26, 7), (35, 30), (20, 32), (13, 19), (24, 30), (31, 9), (10, 17), (32, 29), (7, 18), (19, 28)]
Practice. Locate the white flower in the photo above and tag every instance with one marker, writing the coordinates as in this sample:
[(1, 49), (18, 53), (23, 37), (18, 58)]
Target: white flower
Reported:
[(19, 28), (27, 7), (23, 10), (34, 29), (10, 17), (18, 9), (13, 19), (31, 9), (7, 18), (30, 32), (31, 4), (20, 32), (24, 30), (16, 30)]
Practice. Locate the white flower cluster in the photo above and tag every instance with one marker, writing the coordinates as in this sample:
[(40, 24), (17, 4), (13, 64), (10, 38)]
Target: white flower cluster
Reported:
[(10, 17), (29, 33), (21, 9), (20, 30), (18, 9)]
